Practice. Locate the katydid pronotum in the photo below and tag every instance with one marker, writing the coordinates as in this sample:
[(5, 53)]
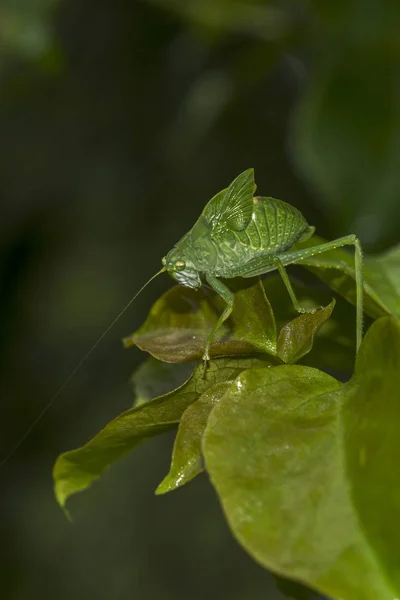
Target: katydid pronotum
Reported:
[(238, 235)]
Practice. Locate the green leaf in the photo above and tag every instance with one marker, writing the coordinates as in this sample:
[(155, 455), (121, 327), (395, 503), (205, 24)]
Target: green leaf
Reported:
[(253, 319), (349, 155), (297, 337), (335, 345), (186, 457), (371, 420), (179, 322), (76, 470), (155, 378), (381, 277), (275, 447), (383, 274)]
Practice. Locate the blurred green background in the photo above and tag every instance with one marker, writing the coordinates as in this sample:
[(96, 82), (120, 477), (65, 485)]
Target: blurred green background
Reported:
[(118, 121)]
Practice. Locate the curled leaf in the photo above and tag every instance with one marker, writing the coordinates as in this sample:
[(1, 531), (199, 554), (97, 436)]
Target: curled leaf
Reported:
[(334, 348), (296, 338), (180, 321)]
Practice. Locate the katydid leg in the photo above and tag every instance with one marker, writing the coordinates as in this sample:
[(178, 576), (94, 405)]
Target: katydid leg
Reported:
[(288, 285), (265, 264), (229, 298), (297, 256)]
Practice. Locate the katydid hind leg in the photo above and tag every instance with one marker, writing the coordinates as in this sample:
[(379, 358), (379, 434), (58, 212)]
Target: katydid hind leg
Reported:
[(229, 298), (288, 285), (297, 256)]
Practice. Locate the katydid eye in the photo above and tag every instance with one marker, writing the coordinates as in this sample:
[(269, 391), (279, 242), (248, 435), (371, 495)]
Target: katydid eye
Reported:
[(180, 265), (164, 261)]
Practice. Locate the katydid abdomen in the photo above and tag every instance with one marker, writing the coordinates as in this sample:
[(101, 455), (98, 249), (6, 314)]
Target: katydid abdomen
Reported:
[(274, 227)]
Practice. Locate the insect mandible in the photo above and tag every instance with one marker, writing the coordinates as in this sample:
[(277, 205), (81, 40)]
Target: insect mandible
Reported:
[(242, 235)]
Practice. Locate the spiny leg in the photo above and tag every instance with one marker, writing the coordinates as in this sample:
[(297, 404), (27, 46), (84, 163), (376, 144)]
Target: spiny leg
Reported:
[(229, 298), (288, 285), (297, 256)]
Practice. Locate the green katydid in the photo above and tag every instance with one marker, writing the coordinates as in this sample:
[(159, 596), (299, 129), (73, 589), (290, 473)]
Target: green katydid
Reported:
[(242, 235), (237, 235)]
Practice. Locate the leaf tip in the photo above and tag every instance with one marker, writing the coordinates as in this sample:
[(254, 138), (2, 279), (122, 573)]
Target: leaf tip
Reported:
[(161, 489), (168, 484), (62, 495), (127, 342)]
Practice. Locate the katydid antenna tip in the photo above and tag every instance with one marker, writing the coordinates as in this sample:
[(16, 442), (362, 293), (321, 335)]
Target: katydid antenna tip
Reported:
[(75, 370)]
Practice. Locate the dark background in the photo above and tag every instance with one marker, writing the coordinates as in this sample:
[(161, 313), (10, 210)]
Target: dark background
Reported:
[(118, 121)]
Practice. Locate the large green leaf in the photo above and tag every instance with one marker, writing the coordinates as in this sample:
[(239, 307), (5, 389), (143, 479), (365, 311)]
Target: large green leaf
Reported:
[(277, 450), (381, 277), (179, 322), (187, 459), (77, 469), (371, 420)]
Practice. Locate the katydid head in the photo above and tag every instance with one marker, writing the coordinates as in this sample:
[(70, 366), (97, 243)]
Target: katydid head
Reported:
[(181, 269)]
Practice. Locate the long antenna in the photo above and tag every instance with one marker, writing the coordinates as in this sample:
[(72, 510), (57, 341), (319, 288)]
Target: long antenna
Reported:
[(76, 369)]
